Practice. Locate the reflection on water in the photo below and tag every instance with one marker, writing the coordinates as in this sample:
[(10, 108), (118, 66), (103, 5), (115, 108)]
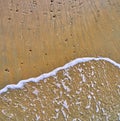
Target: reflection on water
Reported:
[(88, 91)]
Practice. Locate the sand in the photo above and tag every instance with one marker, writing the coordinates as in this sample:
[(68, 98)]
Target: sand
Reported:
[(38, 36), (88, 91)]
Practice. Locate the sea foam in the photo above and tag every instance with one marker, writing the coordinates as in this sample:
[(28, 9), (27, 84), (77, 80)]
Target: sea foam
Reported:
[(21, 83)]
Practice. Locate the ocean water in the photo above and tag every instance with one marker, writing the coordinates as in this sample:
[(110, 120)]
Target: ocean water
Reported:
[(85, 89)]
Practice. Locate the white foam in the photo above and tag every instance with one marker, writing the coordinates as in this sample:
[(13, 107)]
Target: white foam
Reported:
[(83, 78), (35, 92), (54, 72), (65, 105)]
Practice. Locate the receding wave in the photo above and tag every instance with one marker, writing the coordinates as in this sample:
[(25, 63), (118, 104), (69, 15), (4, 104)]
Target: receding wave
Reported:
[(52, 73), (85, 89)]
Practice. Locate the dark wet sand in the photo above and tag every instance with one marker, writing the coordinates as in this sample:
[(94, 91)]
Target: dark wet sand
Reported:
[(38, 36)]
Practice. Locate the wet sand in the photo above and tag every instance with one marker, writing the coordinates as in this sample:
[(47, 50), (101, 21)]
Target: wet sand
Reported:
[(38, 36), (88, 91)]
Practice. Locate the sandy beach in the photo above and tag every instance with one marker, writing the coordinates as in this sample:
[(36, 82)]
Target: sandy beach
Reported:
[(37, 36), (87, 91)]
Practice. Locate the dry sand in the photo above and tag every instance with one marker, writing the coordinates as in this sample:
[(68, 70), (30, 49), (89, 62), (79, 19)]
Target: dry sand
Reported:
[(37, 36)]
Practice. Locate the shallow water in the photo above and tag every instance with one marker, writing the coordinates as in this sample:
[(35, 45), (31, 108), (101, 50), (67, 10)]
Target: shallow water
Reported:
[(86, 91)]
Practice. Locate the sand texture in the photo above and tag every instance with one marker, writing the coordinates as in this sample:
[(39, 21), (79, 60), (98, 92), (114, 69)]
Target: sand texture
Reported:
[(37, 36), (89, 91)]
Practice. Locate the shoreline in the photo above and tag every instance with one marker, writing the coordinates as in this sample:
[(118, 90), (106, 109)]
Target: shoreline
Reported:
[(21, 83), (60, 60)]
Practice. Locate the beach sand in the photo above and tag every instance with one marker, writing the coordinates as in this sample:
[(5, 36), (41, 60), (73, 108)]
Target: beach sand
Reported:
[(88, 91), (37, 36)]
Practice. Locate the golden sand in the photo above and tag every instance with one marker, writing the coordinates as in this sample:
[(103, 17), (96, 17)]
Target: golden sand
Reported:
[(38, 36), (85, 92)]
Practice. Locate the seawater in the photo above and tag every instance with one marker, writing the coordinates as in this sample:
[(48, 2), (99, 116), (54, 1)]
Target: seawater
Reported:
[(83, 89)]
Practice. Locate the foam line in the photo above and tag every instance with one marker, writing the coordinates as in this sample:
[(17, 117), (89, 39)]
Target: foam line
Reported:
[(21, 83)]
